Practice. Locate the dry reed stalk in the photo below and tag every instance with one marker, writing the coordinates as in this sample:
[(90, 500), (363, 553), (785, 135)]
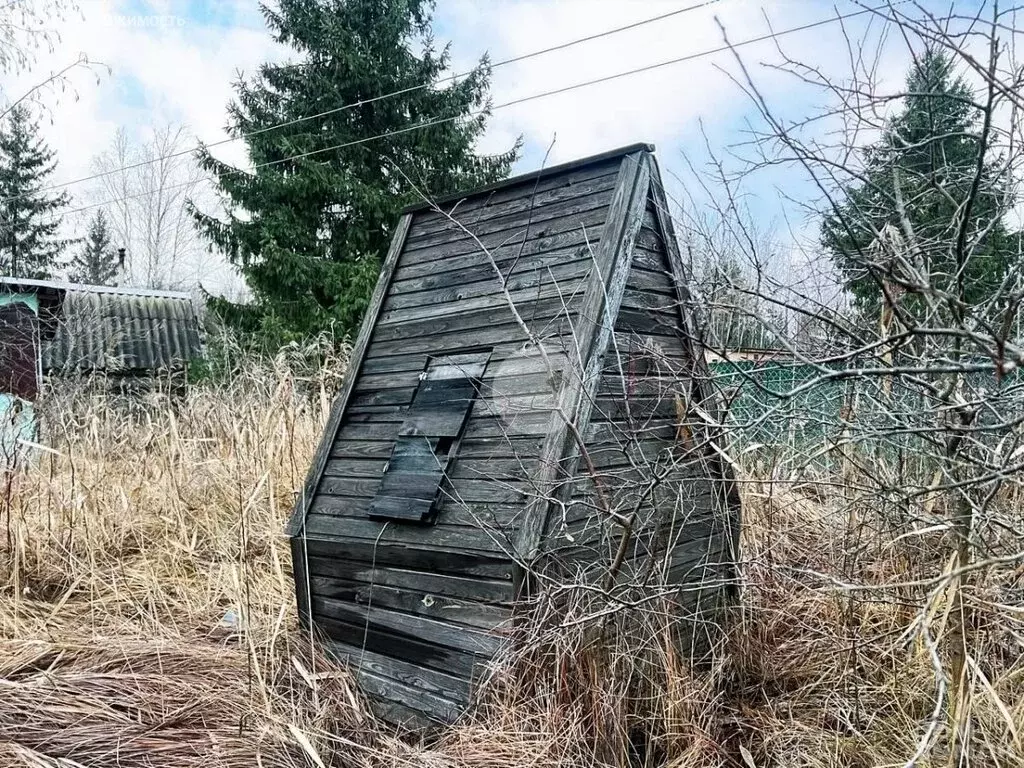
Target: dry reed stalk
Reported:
[(146, 618)]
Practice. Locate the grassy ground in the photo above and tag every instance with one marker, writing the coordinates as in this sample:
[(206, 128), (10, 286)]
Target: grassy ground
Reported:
[(146, 618)]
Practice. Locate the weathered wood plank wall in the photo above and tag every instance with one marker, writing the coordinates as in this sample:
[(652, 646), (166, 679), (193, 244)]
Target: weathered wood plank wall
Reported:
[(647, 457), (587, 258), (414, 607)]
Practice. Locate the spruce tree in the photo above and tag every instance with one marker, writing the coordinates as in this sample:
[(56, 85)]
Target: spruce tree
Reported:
[(925, 164), (29, 224), (97, 262), (309, 233)]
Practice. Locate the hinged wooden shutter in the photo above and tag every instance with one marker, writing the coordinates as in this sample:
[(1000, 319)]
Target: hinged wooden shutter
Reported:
[(428, 439)]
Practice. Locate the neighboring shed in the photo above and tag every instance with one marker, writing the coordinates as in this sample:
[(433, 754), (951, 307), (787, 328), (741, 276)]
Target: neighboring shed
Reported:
[(123, 332), (447, 473)]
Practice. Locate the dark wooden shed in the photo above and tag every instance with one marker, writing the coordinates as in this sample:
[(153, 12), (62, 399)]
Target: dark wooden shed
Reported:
[(526, 344)]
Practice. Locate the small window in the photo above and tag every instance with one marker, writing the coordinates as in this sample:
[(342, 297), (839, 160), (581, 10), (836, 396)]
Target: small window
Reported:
[(429, 438)]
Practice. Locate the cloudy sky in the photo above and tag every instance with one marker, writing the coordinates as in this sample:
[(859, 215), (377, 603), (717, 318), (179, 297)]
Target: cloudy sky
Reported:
[(161, 61)]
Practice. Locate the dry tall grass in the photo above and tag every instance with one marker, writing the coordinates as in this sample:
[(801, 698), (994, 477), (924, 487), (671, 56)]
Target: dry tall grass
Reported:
[(147, 619)]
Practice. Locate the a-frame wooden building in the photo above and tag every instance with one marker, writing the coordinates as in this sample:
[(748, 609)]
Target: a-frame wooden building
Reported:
[(526, 386)]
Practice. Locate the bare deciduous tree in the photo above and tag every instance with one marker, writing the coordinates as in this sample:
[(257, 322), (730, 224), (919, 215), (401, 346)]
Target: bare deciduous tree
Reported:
[(26, 27), (148, 183), (919, 417)]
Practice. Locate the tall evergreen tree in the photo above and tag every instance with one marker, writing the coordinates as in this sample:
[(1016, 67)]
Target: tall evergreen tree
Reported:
[(29, 243), (97, 262), (309, 226), (925, 165)]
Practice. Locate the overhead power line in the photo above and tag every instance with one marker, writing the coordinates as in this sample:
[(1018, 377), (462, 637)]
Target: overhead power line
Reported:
[(515, 102), (382, 97)]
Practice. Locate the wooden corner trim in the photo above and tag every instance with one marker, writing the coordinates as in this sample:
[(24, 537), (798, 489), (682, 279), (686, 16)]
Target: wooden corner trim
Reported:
[(691, 338), (600, 303)]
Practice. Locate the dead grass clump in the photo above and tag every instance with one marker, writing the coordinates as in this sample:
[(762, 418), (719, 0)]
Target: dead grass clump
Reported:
[(131, 706), (835, 660), (147, 618), (146, 597), (126, 703), (588, 681)]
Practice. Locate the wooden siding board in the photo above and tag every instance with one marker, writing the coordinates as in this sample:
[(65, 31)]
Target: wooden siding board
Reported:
[(528, 301), (441, 537), (442, 634), (480, 469), (647, 321), (352, 627), (538, 312), (614, 432), (439, 560), (650, 253), (373, 397), (507, 361), (471, 615), (615, 382), (637, 453), (652, 283), (361, 449), (634, 411), (389, 694), (399, 508), (641, 298), (507, 378), (470, 491), (513, 225), (649, 239), (483, 425), (523, 449), (519, 198), (325, 572), (416, 456), (450, 687), (491, 516), (556, 331), (359, 469), (355, 361)]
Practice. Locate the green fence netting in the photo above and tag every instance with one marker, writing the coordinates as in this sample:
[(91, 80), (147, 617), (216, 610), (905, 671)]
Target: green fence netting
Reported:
[(798, 415)]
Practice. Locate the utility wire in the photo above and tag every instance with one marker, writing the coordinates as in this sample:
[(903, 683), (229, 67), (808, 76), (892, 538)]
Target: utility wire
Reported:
[(381, 97), (513, 102)]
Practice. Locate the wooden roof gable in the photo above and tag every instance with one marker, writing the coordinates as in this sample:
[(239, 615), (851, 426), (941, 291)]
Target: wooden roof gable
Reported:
[(463, 228)]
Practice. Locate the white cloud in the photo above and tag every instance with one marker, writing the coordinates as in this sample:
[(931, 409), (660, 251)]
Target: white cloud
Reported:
[(662, 105)]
